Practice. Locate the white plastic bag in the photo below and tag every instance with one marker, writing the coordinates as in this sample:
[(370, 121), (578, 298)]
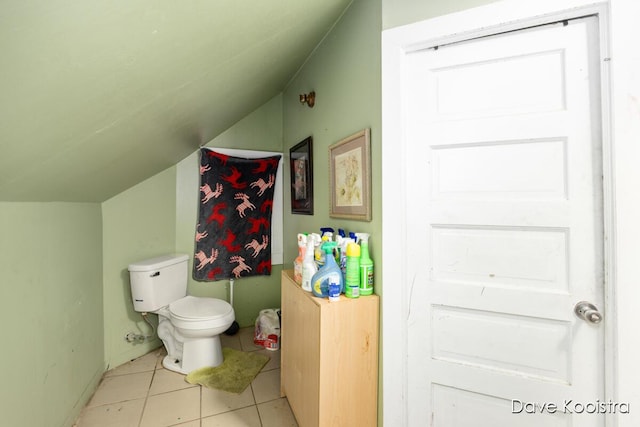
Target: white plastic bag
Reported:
[(267, 330)]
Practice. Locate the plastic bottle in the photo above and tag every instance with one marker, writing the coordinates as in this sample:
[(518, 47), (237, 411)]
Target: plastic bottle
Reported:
[(309, 267), (366, 265), (325, 230), (326, 235), (352, 275), (297, 263), (343, 243), (319, 252), (337, 250), (329, 273), (334, 290)]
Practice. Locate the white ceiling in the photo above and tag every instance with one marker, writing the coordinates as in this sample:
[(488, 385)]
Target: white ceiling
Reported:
[(99, 95)]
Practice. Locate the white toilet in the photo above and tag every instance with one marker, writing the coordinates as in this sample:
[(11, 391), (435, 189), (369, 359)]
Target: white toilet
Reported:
[(188, 326)]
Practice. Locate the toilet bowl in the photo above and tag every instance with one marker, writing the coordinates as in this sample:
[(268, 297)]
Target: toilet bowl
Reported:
[(188, 326), (190, 330)]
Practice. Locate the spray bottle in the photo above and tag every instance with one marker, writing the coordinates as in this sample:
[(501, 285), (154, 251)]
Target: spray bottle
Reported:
[(341, 259), (352, 275), (318, 253), (329, 274), (325, 230), (309, 267), (297, 263), (327, 236), (366, 265)]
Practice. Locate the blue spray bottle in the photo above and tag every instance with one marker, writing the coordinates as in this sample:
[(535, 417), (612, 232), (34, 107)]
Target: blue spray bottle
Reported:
[(329, 273)]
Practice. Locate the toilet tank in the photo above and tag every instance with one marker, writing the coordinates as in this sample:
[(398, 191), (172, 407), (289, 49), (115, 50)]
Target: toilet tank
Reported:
[(156, 282)]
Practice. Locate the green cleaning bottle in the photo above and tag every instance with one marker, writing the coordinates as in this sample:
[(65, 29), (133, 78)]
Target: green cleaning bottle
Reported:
[(352, 273), (366, 265)]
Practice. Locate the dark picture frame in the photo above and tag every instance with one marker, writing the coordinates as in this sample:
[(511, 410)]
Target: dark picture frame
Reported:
[(350, 177), (301, 166)]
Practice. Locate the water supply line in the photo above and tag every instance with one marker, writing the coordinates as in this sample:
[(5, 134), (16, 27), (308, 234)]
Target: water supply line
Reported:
[(233, 329), (231, 291), (133, 337)]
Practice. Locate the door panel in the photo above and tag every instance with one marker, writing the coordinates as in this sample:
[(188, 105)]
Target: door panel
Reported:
[(525, 169), (493, 86), (505, 218), (517, 345), (463, 408)]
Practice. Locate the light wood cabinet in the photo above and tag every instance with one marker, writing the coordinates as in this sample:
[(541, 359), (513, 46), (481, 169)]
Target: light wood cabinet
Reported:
[(329, 357)]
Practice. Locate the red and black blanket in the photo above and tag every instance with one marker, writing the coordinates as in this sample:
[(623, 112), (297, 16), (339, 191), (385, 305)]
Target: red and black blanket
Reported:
[(233, 235)]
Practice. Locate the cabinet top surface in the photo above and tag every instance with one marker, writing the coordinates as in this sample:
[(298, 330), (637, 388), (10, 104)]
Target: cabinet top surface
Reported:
[(288, 274)]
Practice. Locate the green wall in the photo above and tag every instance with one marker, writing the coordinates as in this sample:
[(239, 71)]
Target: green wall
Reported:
[(401, 12), (158, 216), (259, 130), (138, 223), (51, 293), (344, 71), (66, 263)]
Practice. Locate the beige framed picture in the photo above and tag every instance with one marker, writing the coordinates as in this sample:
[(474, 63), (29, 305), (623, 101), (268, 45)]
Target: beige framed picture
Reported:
[(350, 177)]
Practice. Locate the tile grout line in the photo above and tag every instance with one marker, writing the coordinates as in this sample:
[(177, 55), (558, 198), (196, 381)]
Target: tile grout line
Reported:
[(246, 344), (146, 398), (253, 393), (255, 402), (201, 397)]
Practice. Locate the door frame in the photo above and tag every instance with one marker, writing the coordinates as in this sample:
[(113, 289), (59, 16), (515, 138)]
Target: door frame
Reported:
[(503, 16)]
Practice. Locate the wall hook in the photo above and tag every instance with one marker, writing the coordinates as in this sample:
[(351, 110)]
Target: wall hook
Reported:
[(308, 98)]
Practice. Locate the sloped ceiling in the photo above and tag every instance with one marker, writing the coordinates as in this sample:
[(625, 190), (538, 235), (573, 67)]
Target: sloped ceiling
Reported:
[(99, 95)]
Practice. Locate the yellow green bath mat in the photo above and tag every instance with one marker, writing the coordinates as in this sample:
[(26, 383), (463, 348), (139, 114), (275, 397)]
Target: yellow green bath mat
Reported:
[(234, 374)]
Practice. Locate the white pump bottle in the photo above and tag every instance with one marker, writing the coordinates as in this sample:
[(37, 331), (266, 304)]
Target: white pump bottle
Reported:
[(309, 267)]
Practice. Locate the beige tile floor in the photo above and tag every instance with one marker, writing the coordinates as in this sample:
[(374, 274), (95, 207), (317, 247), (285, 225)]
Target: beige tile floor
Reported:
[(142, 393)]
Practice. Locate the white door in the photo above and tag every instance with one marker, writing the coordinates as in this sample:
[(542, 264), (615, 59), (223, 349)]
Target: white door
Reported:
[(504, 215)]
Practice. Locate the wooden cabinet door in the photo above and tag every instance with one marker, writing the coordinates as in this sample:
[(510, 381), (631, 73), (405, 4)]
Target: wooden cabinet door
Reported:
[(300, 352)]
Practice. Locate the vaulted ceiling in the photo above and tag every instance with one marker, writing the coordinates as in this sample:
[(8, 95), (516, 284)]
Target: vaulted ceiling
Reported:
[(99, 95)]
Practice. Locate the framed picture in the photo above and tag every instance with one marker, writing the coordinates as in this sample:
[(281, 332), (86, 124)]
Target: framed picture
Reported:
[(350, 177), (301, 158)]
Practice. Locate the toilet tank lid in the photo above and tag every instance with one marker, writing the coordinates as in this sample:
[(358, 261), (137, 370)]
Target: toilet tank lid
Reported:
[(158, 262)]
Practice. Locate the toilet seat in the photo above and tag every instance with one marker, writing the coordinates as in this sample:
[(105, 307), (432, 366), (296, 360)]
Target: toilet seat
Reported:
[(200, 312)]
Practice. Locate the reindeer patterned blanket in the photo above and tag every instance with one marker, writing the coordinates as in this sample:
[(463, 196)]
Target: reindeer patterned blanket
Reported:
[(234, 221)]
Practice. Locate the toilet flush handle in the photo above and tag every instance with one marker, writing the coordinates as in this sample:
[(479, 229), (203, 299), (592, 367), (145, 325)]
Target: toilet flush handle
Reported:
[(156, 274)]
